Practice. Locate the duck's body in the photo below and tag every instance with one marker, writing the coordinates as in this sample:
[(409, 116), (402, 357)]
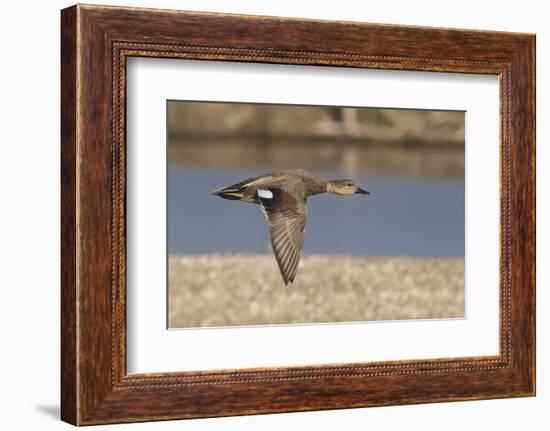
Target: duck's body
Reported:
[(282, 196), (301, 184)]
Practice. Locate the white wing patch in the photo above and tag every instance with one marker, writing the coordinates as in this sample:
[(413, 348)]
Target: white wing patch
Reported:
[(265, 194)]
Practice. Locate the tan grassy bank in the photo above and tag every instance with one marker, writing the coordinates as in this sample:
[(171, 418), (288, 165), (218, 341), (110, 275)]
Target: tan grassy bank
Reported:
[(220, 290)]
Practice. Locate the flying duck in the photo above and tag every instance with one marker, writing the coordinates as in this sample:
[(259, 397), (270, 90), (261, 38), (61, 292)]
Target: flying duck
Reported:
[(282, 197)]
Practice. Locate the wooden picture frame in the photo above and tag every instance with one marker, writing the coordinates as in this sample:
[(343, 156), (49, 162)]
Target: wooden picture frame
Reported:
[(95, 43)]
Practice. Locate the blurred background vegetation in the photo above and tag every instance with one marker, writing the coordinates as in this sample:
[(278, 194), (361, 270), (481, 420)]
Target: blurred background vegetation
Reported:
[(349, 139)]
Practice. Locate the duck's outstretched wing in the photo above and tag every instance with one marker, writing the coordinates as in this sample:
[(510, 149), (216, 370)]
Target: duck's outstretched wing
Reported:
[(286, 215)]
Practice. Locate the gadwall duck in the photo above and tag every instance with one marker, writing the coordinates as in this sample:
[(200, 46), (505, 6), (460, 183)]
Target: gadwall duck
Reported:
[(282, 196)]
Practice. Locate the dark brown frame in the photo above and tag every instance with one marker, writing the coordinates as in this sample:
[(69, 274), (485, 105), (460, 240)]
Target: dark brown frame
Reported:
[(95, 43)]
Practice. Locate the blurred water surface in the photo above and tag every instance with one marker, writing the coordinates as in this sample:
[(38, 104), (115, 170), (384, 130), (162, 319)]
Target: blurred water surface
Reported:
[(405, 215)]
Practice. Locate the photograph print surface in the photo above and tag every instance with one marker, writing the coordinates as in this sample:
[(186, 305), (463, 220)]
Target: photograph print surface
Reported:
[(285, 214)]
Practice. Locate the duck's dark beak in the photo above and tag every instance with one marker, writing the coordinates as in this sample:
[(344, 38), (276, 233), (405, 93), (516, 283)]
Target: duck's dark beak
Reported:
[(360, 191)]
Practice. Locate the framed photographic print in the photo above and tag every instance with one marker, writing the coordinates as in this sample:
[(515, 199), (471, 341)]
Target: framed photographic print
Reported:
[(266, 215)]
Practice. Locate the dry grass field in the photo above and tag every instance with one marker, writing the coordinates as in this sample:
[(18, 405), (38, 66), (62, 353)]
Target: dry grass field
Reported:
[(238, 289)]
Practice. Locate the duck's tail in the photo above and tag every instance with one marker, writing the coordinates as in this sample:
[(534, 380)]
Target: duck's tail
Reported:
[(230, 192), (238, 192)]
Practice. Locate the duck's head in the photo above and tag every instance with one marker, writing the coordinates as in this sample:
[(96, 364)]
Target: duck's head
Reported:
[(344, 187)]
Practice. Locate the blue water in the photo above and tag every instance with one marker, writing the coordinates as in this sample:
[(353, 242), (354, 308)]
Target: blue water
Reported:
[(403, 216)]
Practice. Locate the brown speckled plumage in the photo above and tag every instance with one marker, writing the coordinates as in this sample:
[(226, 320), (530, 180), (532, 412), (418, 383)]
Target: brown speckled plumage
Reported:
[(282, 196)]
